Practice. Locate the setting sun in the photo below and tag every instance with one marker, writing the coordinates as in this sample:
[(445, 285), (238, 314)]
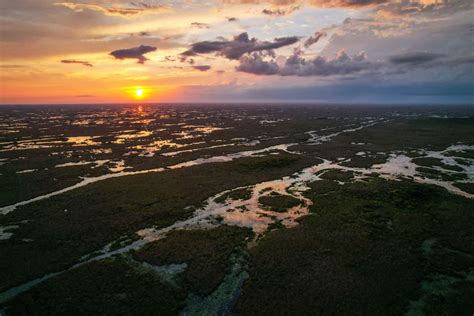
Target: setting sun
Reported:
[(139, 93)]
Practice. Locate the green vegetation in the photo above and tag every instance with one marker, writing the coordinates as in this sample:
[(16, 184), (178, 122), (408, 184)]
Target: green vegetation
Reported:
[(463, 154), (361, 252), (221, 301), (411, 134), (431, 162), (365, 161), (207, 254), (122, 286), (52, 239), (278, 202), (237, 194), (337, 175), (263, 163), (110, 287), (466, 187), (437, 174), (17, 187), (371, 247)]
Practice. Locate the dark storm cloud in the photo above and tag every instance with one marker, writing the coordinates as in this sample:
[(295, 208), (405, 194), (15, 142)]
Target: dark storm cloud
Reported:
[(414, 58), (80, 62), (296, 65), (134, 53), (429, 60), (467, 59), (237, 47), (202, 67)]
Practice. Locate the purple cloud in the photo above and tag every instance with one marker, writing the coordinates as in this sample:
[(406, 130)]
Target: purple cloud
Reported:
[(202, 67), (238, 46), (296, 65), (134, 53)]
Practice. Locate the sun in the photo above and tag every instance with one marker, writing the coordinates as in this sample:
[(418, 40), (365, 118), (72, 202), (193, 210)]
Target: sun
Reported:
[(139, 92)]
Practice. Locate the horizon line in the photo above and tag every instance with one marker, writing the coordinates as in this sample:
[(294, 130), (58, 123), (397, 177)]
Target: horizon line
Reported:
[(243, 103)]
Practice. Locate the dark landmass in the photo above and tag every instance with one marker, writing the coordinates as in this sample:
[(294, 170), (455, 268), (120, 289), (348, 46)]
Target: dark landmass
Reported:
[(195, 209)]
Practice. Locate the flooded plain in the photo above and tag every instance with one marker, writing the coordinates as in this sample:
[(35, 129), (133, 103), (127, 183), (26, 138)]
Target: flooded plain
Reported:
[(292, 153)]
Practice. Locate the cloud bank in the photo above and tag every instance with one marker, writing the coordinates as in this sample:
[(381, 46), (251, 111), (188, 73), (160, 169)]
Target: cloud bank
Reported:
[(296, 65), (134, 9)]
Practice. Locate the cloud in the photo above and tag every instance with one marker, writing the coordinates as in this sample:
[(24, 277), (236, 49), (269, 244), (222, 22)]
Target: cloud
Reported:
[(413, 58), (428, 8), (72, 61), (407, 6), (388, 8), (317, 3), (281, 11), (296, 65), (232, 19), (460, 60), (149, 6), (367, 91), (349, 67), (313, 39), (138, 8), (200, 25), (238, 46), (202, 67), (12, 66), (429, 60), (134, 53), (346, 3), (255, 64)]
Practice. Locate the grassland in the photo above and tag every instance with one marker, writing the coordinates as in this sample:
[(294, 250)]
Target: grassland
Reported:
[(368, 247), (361, 252)]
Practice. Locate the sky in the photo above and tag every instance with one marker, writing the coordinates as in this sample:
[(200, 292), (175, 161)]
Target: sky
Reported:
[(322, 51)]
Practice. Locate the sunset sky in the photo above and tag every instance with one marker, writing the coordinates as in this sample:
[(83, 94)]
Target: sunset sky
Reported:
[(104, 51)]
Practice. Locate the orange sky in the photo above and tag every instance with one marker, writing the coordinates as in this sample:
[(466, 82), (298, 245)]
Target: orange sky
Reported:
[(60, 52)]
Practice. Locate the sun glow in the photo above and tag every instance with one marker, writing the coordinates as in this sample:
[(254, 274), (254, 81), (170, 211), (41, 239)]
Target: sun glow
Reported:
[(142, 93), (139, 93)]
